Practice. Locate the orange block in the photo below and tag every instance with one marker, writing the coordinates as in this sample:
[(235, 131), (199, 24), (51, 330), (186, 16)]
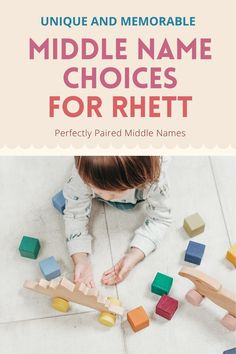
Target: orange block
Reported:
[(138, 319)]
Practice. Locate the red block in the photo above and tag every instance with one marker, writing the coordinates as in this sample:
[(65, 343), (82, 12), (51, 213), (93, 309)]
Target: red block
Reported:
[(166, 307)]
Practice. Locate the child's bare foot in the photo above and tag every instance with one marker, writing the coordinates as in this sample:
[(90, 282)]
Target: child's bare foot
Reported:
[(121, 269), (83, 272)]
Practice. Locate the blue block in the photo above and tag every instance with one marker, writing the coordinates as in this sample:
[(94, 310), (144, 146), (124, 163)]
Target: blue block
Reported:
[(194, 252), (50, 268), (230, 351), (58, 202)]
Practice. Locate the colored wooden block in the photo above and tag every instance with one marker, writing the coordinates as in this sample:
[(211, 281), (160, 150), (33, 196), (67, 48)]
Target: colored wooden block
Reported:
[(58, 202), (194, 252), (50, 268), (231, 254), (138, 318), (194, 225), (230, 351), (60, 304), (29, 247), (166, 307), (161, 284)]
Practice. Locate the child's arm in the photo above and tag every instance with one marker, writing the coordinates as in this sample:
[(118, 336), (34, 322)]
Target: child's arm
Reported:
[(78, 197), (158, 219), (149, 234)]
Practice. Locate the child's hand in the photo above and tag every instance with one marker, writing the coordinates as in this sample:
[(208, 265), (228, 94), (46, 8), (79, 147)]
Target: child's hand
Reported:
[(120, 271), (83, 272)]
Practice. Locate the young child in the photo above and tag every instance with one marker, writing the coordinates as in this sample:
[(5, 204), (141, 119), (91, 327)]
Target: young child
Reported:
[(122, 182)]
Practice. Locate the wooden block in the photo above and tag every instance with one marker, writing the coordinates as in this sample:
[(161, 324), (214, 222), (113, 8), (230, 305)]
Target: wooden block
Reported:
[(44, 283), (161, 284), (60, 304), (54, 284), (230, 351), (231, 254), (166, 307), (29, 247), (58, 202), (50, 268), (194, 225), (138, 319), (67, 284), (194, 252), (30, 284)]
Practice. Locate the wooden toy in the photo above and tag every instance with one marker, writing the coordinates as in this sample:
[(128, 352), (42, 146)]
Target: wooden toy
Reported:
[(60, 304), (58, 202), (106, 318), (231, 254), (78, 293), (50, 268), (166, 307), (205, 286), (194, 225), (138, 318), (29, 247), (230, 351), (194, 252), (161, 284)]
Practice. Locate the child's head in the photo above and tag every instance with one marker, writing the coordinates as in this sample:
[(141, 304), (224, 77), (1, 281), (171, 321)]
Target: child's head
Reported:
[(112, 176)]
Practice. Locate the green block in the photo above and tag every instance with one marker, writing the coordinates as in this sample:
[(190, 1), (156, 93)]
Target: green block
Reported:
[(194, 225), (161, 284), (29, 247)]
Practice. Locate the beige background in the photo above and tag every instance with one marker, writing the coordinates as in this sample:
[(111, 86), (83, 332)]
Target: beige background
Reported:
[(27, 85)]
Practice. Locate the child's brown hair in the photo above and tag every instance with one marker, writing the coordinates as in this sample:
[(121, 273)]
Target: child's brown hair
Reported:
[(118, 173)]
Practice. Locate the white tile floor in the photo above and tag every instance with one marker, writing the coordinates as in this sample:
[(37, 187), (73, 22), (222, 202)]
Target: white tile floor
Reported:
[(27, 322)]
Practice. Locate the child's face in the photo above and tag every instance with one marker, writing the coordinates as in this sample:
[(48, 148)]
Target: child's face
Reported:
[(109, 195)]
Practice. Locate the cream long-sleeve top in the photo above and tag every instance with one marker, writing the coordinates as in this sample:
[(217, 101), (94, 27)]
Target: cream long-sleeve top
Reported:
[(79, 196)]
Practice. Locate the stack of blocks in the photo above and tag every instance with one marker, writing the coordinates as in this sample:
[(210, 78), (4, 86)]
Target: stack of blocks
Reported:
[(50, 268), (231, 254), (138, 319), (58, 202), (29, 247), (194, 225), (194, 252), (166, 306)]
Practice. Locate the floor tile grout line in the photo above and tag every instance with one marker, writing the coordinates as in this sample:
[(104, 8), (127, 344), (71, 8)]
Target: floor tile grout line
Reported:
[(219, 198), (46, 317), (117, 292)]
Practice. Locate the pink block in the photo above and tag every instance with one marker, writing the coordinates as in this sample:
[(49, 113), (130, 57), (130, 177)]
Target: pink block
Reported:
[(229, 322), (166, 307)]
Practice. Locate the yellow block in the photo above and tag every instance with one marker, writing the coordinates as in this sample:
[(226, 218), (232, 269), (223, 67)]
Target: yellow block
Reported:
[(109, 319), (60, 304), (231, 254)]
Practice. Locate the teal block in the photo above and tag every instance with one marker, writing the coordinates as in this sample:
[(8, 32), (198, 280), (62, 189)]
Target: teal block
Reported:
[(161, 284), (29, 247)]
